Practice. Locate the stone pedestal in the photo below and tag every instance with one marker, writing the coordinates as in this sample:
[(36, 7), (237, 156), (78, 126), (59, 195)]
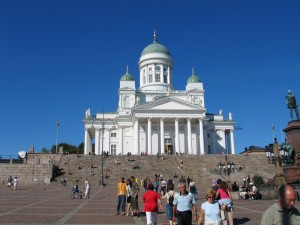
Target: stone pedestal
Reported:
[(292, 174), (292, 133)]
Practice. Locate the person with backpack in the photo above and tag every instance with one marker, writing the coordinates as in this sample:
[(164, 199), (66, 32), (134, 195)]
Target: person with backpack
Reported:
[(170, 198)]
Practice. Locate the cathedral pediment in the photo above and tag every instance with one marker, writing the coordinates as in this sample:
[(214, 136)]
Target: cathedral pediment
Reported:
[(167, 103)]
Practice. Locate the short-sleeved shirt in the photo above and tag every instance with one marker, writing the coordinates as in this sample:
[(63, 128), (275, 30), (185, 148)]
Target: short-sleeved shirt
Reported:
[(273, 216), (134, 188), (150, 201), (223, 194), (212, 211), (184, 202)]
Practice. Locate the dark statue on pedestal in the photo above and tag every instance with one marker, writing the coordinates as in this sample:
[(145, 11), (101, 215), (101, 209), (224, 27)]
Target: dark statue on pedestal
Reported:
[(291, 160), (292, 105), (290, 157)]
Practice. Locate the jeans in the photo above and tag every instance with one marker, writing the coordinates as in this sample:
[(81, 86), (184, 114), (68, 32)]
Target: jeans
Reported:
[(121, 203)]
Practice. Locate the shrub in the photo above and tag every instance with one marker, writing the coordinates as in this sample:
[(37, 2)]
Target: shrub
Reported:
[(258, 180)]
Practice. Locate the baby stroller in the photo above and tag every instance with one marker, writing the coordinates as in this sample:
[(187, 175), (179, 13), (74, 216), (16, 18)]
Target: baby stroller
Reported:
[(75, 192)]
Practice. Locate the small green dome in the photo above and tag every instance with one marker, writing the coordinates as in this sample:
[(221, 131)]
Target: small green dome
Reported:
[(127, 76), (193, 78)]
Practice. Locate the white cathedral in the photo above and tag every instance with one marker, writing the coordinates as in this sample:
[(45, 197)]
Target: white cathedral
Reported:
[(157, 119)]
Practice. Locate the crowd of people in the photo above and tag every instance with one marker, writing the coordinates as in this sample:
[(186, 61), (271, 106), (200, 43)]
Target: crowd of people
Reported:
[(181, 207), (180, 197)]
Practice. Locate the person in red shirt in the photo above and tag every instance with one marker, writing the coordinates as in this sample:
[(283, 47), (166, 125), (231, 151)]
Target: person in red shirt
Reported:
[(151, 201)]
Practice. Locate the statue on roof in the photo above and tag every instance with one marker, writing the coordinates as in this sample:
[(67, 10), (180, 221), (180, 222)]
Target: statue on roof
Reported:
[(88, 113), (137, 101), (230, 116), (292, 105)]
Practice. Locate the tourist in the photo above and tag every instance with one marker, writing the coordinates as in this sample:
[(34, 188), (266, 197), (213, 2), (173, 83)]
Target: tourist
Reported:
[(170, 198), (283, 211), (163, 188), (15, 183), (121, 197), (134, 196), (151, 201), (128, 199), (214, 185), (87, 189), (193, 188), (9, 181), (188, 179), (184, 203), (224, 196), (252, 193), (211, 210)]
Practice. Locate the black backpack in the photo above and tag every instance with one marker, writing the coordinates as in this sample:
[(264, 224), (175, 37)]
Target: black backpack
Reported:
[(171, 199)]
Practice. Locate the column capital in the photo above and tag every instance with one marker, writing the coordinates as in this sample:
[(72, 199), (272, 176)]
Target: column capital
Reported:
[(149, 118)]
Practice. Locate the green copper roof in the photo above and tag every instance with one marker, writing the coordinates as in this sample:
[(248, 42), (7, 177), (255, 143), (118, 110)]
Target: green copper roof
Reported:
[(193, 78), (127, 76), (155, 47)]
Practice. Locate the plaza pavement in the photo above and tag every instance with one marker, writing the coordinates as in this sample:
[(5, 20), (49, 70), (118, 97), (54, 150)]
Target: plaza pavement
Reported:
[(52, 205)]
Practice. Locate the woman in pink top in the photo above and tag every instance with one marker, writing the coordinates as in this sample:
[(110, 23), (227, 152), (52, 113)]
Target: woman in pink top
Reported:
[(223, 193)]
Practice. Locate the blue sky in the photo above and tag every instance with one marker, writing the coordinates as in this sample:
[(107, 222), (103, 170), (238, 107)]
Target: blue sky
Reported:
[(58, 58)]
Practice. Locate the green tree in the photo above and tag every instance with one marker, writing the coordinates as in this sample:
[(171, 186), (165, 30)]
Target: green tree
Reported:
[(81, 148), (258, 180), (45, 150)]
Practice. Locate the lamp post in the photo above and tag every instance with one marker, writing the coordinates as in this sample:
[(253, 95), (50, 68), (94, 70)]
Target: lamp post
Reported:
[(102, 143), (57, 128)]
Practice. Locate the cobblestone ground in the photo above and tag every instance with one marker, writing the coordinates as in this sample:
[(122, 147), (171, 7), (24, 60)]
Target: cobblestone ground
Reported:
[(53, 205)]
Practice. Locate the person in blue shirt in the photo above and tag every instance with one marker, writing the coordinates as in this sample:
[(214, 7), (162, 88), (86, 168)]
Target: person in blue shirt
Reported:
[(184, 206), (211, 210)]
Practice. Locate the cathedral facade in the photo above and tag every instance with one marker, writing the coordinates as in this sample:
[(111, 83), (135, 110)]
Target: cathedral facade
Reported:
[(157, 119)]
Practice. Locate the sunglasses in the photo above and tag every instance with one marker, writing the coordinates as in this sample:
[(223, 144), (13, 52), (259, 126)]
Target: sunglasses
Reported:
[(211, 197)]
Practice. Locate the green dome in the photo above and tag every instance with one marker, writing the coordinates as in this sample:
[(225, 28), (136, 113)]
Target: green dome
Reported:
[(193, 78), (127, 77), (155, 47)]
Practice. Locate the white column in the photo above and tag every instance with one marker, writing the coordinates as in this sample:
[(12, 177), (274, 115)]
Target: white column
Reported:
[(149, 139), (136, 137), (177, 136), (232, 142), (162, 136), (189, 131), (161, 74), (120, 142), (97, 142), (169, 75), (106, 141), (201, 137), (86, 142)]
